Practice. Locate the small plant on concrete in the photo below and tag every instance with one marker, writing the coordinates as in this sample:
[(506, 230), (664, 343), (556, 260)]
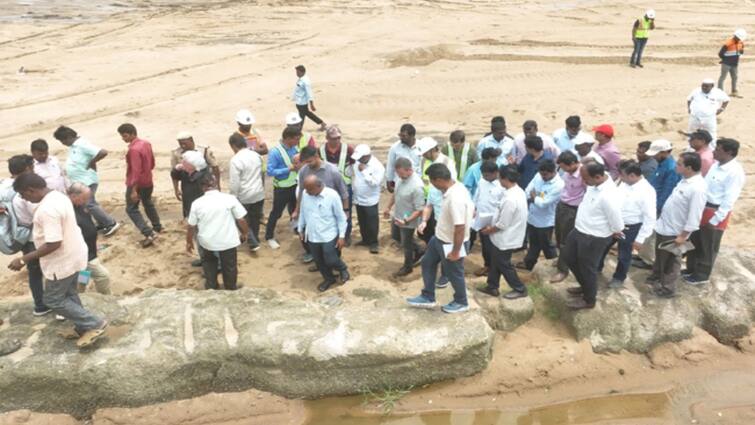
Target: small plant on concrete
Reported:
[(386, 398)]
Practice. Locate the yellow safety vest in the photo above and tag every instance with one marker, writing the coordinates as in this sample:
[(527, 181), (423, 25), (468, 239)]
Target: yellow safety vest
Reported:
[(462, 170), (644, 28), (291, 180), (341, 161)]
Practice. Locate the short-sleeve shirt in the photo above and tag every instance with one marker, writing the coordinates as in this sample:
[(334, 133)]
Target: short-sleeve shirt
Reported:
[(706, 104), (55, 221), (457, 208), (215, 216), (80, 154), (409, 197)]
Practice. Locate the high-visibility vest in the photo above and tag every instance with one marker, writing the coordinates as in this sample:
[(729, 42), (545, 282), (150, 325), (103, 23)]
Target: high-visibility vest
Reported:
[(733, 48), (304, 140), (424, 165), (462, 170), (341, 161), (289, 181), (644, 28)]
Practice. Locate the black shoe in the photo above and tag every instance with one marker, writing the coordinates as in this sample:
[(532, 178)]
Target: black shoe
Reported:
[(403, 271), (512, 295), (348, 242), (325, 285), (493, 292), (313, 268), (663, 293), (639, 65), (374, 249), (523, 266), (345, 276), (639, 264), (579, 304), (362, 243), (575, 291), (418, 258), (197, 263)]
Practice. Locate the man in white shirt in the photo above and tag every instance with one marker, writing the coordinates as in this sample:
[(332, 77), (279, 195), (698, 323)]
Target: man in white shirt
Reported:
[(529, 128), (217, 219), (704, 104), (598, 221), (405, 147), (245, 173), (583, 147), (725, 181), (499, 139), (507, 235), (638, 213), (449, 245), (487, 198), (680, 216), (47, 166), (564, 137), (304, 98), (368, 175)]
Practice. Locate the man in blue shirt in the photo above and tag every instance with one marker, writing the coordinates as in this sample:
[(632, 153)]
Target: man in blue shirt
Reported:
[(282, 165), (473, 175), (564, 137), (665, 177), (530, 164), (543, 194), (304, 99), (497, 139), (322, 224)]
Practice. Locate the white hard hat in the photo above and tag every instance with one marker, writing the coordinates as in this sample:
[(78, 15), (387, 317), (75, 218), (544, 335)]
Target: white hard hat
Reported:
[(195, 159), (425, 144), (244, 117), (360, 151), (741, 34), (184, 135), (660, 145), (293, 118), (583, 138), (650, 13)]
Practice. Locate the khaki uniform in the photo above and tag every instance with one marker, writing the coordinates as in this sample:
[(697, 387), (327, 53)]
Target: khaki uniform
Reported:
[(209, 157)]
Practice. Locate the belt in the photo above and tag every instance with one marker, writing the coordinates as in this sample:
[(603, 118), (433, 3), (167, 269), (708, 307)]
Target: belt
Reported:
[(709, 205), (567, 205)]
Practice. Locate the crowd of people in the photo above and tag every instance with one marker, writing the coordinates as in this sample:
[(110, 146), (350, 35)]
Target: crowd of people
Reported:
[(569, 196)]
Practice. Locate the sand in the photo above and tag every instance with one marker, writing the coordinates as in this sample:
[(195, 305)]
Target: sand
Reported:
[(441, 65)]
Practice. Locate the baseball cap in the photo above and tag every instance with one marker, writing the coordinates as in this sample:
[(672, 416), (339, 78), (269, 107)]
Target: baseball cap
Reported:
[(425, 144), (183, 135), (293, 118), (360, 151), (606, 129), (244, 117), (660, 145), (583, 139)]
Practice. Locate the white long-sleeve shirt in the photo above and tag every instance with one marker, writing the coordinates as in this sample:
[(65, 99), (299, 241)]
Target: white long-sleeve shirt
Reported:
[(725, 184), (246, 176), (599, 214), (398, 150), (684, 208), (50, 171), (510, 220), (366, 183), (488, 196), (639, 207)]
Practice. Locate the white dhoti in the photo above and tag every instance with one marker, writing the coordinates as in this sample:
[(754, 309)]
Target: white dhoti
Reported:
[(703, 122)]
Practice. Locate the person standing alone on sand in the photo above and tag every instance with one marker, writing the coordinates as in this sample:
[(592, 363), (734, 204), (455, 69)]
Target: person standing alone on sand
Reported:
[(730, 52), (304, 99), (640, 32)]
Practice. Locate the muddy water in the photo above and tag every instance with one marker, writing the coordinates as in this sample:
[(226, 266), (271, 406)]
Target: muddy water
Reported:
[(725, 398)]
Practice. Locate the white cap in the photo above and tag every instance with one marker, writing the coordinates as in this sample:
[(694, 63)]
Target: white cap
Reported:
[(741, 34), (360, 151), (583, 138), (425, 144), (183, 135), (709, 81), (244, 117), (650, 13), (660, 145), (195, 159), (293, 118)]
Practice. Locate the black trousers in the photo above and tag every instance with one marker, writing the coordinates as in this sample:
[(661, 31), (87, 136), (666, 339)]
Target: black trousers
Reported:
[(540, 241), (283, 198), (666, 266), (487, 249), (429, 229), (132, 209), (304, 112), (565, 217), (253, 218), (369, 223), (582, 254), (500, 265), (409, 245), (327, 258), (707, 242), (228, 268)]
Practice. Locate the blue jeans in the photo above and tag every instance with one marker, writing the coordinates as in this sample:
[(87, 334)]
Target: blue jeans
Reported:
[(624, 259), (639, 47), (454, 271)]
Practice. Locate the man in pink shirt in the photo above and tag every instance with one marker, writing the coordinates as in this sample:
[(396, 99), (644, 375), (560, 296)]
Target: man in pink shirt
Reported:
[(607, 149), (47, 166), (566, 210), (139, 165), (699, 141), (62, 253)]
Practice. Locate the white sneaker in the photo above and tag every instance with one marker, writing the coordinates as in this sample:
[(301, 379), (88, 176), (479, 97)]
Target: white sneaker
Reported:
[(60, 318), (273, 244)]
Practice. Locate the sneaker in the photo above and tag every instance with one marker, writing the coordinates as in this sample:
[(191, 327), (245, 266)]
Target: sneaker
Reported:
[(454, 307), (685, 273), (307, 258), (41, 311), (254, 248), (616, 284), (421, 302), (273, 244), (442, 282), (60, 318), (374, 249), (512, 295), (485, 289), (149, 240), (695, 280), (110, 230)]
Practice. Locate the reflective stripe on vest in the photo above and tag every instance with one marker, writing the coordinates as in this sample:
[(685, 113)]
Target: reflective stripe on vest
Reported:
[(424, 165), (642, 30), (733, 48), (289, 181), (464, 160), (341, 161)]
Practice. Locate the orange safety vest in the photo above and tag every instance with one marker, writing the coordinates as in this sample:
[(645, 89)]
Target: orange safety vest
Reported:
[(734, 47)]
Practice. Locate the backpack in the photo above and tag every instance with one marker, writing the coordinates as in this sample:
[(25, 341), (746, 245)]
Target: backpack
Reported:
[(13, 236)]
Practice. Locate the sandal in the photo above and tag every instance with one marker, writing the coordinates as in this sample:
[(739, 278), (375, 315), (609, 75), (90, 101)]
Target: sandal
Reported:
[(91, 336)]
